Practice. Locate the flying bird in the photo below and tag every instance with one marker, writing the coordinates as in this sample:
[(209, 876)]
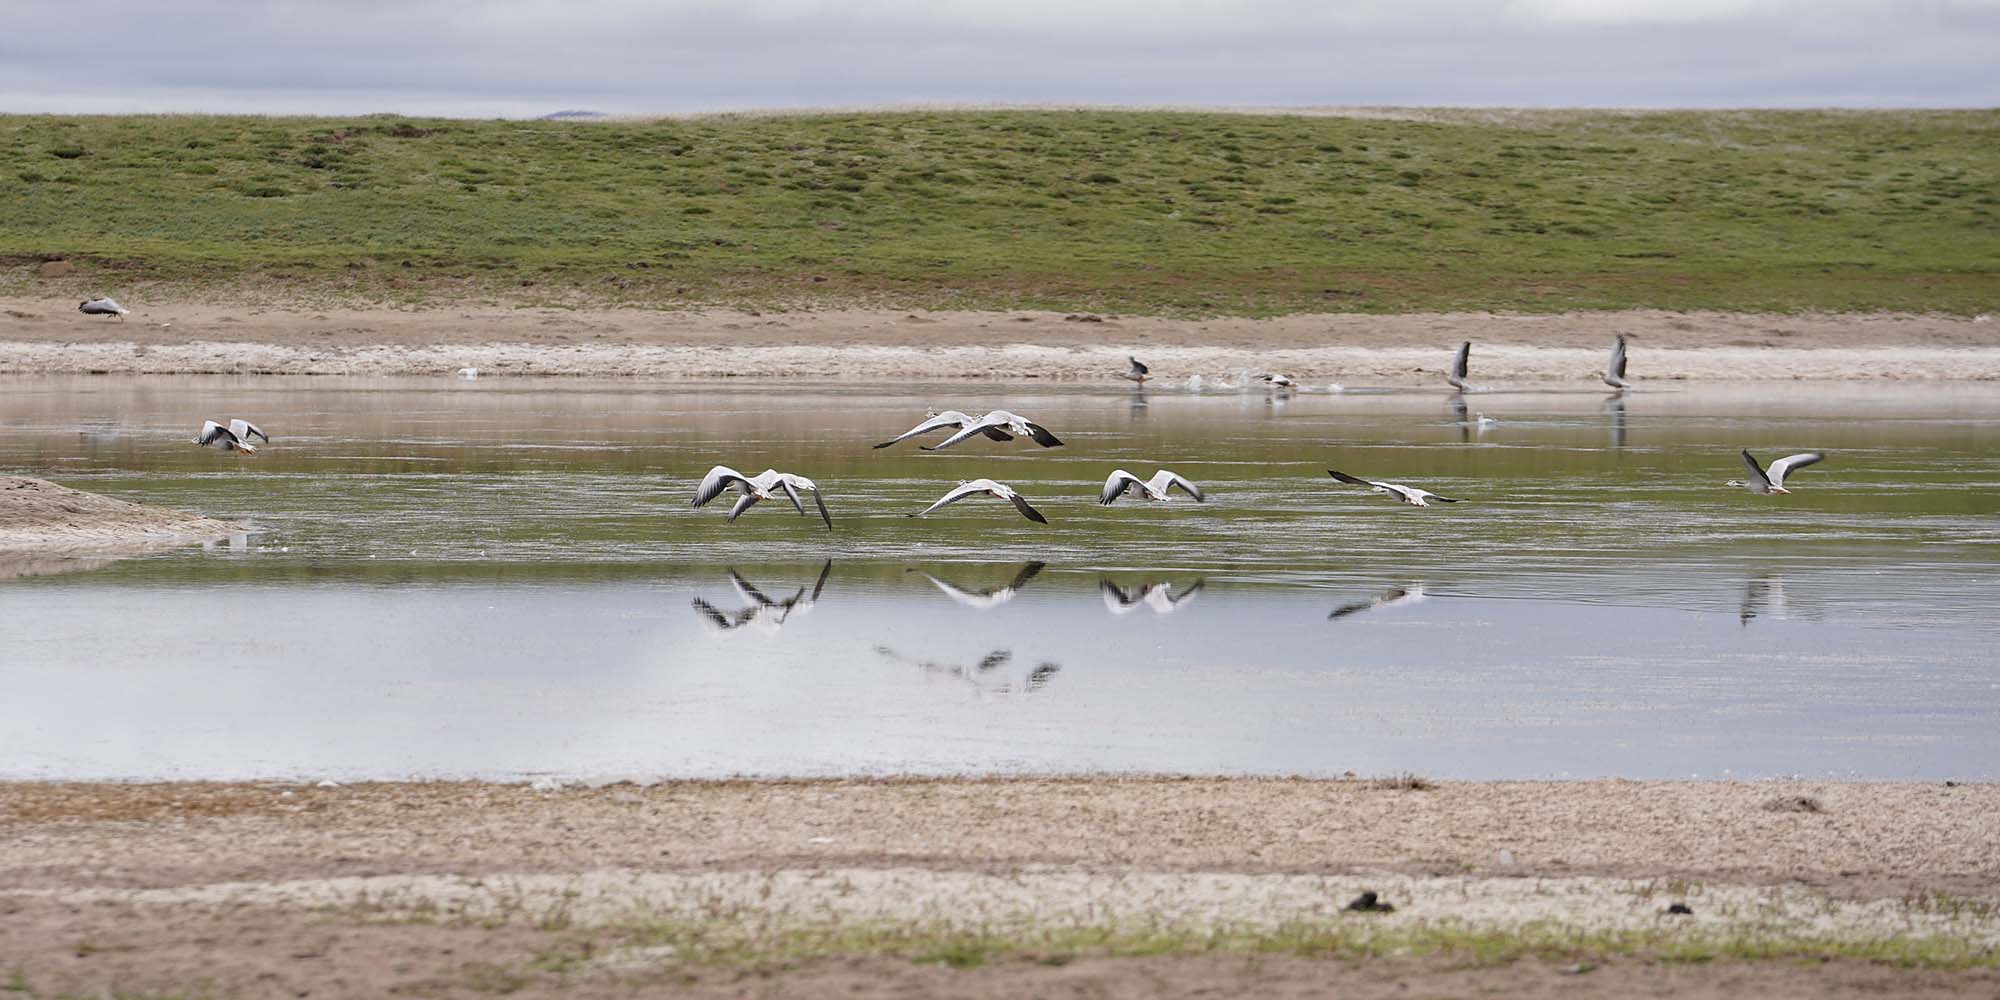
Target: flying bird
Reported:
[(1122, 482), (1458, 364), (244, 429), (1010, 423), (762, 486), (1137, 372), (991, 488), (937, 421), (991, 596), (1764, 482), (1614, 367), (1159, 596), (1396, 491), (214, 435), (1279, 381), (102, 307)]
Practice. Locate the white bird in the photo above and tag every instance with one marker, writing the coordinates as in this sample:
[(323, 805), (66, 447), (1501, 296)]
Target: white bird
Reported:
[(1159, 596), (244, 430), (103, 306), (1386, 599), (214, 435), (1003, 420), (1121, 483), (762, 486), (1279, 381), (1397, 491), (1137, 372), (990, 597), (936, 420), (468, 373), (1485, 421), (991, 488), (1458, 366), (1766, 483), (1614, 367)]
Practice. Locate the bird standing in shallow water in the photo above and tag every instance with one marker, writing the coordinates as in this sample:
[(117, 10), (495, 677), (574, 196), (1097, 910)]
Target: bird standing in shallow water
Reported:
[(1137, 372)]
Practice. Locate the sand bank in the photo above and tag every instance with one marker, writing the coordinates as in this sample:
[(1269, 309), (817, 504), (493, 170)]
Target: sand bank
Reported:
[(41, 337), (1054, 887), (46, 528)]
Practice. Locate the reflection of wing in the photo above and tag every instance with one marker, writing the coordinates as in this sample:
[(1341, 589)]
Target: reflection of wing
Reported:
[(1024, 574), (824, 572), (1348, 609), (748, 591), (996, 659), (1117, 600), (710, 612), (1039, 677)]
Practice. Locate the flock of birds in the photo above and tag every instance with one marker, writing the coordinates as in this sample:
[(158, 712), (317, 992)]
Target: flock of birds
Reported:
[(1006, 425)]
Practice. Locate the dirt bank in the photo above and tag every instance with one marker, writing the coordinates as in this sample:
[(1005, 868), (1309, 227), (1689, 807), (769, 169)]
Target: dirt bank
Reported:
[(46, 528), (45, 337), (1099, 887)]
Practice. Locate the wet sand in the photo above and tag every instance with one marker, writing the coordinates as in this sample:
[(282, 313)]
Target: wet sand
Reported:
[(48, 528), (43, 337), (1099, 887)]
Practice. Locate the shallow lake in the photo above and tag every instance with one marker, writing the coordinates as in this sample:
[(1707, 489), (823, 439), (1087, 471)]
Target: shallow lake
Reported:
[(504, 578)]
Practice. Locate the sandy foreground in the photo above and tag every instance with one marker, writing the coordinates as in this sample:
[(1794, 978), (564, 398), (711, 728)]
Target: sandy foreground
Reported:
[(41, 336), (47, 528), (1003, 887)]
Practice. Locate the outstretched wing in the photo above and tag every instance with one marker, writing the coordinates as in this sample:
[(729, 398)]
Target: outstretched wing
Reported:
[(1117, 485), (715, 617), (793, 494), (828, 518), (976, 427), (1459, 363), (1345, 478), (748, 591), (245, 429), (718, 479), (1784, 467), (824, 572), (211, 432), (1443, 499), (1042, 436), (960, 492), (1166, 479), (1027, 511), (1137, 367), (1116, 598), (743, 503), (1616, 367), (993, 661), (1027, 572), (949, 418), (1757, 476)]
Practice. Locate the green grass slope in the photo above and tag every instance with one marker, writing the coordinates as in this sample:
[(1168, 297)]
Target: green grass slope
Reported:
[(1161, 212)]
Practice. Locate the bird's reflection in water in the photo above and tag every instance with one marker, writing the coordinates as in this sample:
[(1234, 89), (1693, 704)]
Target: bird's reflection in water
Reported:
[(237, 542), (986, 675), (990, 597), (1614, 408), (1137, 405), (1158, 595), (1393, 597), (1461, 418), (763, 612), (1762, 595)]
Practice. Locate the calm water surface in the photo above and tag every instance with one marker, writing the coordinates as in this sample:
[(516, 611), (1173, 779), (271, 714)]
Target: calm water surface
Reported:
[(504, 578)]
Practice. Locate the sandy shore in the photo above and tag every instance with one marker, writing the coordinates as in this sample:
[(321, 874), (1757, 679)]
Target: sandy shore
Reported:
[(47, 528), (1099, 887), (42, 337)]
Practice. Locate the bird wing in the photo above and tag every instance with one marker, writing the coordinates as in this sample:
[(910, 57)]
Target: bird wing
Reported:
[(1783, 467), (1027, 511), (714, 616), (960, 492), (792, 493), (1041, 435), (1428, 495), (976, 427), (1116, 598), (1165, 480), (743, 503), (949, 418), (211, 431), (718, 479), (748, 591), (1137, 367), (994, 660), (1027, 572), (824, 516), (1345, 478), (824, 572), (1460, 361), (244, 428), (1616, 367), (1116, 485), (1354, 607), (1757, 476)]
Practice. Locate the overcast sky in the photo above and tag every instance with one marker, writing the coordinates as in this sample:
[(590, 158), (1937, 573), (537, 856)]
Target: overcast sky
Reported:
[(530, 57)]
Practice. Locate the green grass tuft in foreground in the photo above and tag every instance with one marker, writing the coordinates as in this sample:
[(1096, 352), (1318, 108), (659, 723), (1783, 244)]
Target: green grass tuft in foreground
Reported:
[(1154, 212)]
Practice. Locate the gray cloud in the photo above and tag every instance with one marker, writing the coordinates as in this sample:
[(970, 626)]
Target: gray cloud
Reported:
[(520, 58)]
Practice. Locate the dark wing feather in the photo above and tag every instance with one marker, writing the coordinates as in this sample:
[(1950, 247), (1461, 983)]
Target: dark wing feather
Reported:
[(747, 501), (708, 611), (1345, 478), (824, 572), (1756, 471), (824, 516), (1042, 436), (1027, 573), (794, 495), (1026, 510)]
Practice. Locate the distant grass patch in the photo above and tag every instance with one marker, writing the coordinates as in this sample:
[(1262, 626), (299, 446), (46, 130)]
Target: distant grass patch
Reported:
[(1133, 212)]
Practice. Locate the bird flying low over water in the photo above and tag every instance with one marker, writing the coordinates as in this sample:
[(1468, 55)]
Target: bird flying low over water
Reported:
[(1458, 366), (1122, 482), (1011, 423), (230, 438), (1397, 491), (937, 421), (1764, 482), (1279, 381), (1614, 367), (104, 306), (1137, 372), (762, 486), (990, 488)]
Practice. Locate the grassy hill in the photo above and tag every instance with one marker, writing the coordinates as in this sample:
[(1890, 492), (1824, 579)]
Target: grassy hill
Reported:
[(1118, 211)]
